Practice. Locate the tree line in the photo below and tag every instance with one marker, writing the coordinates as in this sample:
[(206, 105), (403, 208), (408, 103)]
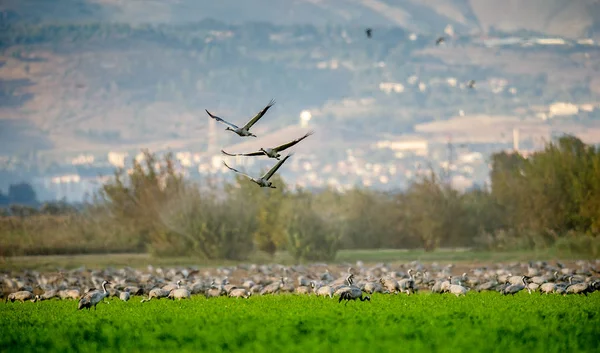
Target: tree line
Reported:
[(549, 199)]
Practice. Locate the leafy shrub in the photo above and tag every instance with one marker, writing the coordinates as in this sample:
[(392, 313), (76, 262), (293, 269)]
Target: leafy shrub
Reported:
[(578, 244), (311, 237), (512, 240), (200, 224)]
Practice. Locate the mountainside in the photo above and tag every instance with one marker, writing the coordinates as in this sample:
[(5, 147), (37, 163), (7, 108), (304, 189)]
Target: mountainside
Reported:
[(565, 18), (73, 80), (103, 86)]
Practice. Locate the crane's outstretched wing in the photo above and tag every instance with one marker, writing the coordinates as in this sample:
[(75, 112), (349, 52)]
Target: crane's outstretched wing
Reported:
[(270, 173), (237, 171), (258, 153), (221, 120), (291, 143), (259, 115)]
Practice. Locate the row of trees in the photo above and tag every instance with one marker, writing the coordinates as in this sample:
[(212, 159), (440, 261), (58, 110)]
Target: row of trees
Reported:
[(20, 193), (551, 198)]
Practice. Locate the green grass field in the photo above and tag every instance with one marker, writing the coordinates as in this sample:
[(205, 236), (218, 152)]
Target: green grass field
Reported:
[(485, 322)]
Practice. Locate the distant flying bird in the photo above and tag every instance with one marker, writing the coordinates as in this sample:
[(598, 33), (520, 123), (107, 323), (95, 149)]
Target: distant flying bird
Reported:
[(271, 152), (368, 31), (440, 40), (244, 130), (263, 181), (471, 84)]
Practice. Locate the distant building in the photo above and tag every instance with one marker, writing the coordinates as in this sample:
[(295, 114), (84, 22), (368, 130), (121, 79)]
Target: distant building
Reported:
[(305, 117), (415, 145), (389, 87), (117, 159), (563, 109)]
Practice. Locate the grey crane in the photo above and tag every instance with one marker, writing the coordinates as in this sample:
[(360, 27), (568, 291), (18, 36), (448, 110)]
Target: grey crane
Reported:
[(390, 284), (92, 298), (322, 290), (263, 181), (578, 288), (215, 290), (489, 285), (240, 293), (169, 287), (273, 287), (515, 288), (179, 293), (455, 289), (347, 284), (21, 296), (156, 293), (69, 294), (352, 292), (302, 290), (124, 296), (373, 287), (548, 287), (407, 284), (244, 130), (271, 152)]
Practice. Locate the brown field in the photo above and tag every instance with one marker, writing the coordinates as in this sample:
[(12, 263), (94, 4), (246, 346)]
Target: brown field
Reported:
[(462, 259)]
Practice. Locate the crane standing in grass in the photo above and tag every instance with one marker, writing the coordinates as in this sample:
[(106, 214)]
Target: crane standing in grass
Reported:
[(21, 296), (156, 293), (352, 292), (516, 288), (94, 297)]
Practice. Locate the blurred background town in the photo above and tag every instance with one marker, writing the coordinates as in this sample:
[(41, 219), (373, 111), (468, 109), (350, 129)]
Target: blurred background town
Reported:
[(85, 85)]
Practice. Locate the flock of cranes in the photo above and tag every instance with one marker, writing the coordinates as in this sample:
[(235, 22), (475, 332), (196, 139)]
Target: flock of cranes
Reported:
[(271, 152), (346, 284)]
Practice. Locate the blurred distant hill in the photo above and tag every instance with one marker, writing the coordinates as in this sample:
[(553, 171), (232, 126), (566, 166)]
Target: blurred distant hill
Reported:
[(566, 18), (80, 75)]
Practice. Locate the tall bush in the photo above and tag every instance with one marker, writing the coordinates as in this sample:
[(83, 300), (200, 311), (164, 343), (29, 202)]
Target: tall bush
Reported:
[(311, 237)]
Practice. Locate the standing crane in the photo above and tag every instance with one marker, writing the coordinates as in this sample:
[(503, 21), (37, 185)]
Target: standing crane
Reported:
[(92, 298)]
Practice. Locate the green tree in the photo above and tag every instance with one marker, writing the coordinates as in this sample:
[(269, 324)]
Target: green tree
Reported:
[(270, 234), (433, 212), (310, 235)]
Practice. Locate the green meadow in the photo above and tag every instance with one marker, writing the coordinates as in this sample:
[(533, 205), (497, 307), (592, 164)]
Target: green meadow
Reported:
[(486, 322)]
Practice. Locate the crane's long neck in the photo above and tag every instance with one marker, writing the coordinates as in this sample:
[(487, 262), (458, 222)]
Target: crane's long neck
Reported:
[(104, 287)]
